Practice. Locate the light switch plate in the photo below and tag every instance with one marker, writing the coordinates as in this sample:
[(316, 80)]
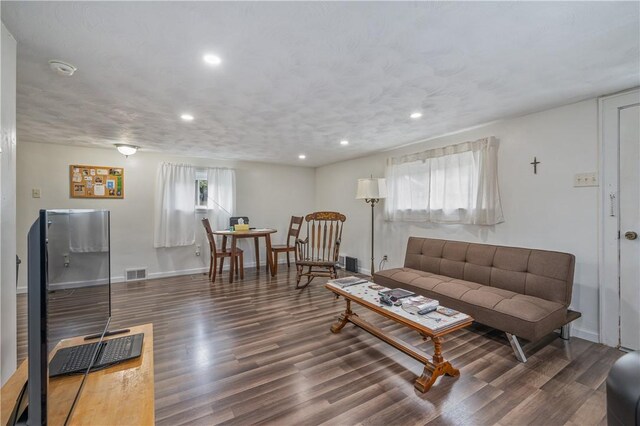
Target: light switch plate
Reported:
[(585, 179), (35, 192)]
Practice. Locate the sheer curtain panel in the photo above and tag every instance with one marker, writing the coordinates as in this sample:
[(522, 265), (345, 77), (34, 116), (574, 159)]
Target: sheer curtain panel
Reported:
[(221, 203), (454, 184), (175, 206)]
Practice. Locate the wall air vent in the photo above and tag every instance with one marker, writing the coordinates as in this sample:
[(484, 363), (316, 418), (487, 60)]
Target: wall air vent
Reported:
[(135, 274)]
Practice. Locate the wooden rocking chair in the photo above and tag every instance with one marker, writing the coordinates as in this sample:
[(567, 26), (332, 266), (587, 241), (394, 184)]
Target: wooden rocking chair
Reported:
[(319, 251)]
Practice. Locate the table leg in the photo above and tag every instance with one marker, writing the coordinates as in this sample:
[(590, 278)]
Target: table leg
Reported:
[(224, 247), (438, 367), (270, 267), (231, 261), (343, 319), (257, 246)]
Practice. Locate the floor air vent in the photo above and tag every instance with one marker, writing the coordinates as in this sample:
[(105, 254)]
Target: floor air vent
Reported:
[(135, 274)]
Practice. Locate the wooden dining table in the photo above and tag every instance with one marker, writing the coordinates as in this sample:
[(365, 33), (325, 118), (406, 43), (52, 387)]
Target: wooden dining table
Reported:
[(256, 234)]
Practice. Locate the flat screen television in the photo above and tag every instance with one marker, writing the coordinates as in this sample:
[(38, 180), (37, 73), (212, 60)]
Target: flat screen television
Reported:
[(69, 294)]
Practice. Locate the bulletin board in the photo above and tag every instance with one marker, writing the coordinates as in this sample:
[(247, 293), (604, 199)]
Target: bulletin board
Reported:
[(96, 182)]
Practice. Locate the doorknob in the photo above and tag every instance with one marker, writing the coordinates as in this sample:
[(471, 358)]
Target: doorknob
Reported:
[(630, 235)]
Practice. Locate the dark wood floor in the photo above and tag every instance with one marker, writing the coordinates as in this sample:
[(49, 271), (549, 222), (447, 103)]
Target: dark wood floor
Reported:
[(260, 351)]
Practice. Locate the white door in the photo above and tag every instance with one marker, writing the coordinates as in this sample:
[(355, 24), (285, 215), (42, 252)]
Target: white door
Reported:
[(629, 190)]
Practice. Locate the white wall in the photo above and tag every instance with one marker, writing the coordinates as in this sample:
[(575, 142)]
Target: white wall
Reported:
[(541, 211), (269, 194), (8, 352)]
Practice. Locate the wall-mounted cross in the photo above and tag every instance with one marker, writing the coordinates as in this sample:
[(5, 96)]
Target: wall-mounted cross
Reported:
[(535, 163)]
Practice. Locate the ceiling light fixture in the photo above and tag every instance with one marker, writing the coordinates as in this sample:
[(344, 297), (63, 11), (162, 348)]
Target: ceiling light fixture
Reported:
[(126, 149), (344, 142), (187, 117), (212, 59), (62, 68), (416, 115), (302, 156)]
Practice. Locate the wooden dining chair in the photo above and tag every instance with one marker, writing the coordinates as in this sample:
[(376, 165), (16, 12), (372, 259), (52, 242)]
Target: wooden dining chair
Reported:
[(290, 245), (221, 254), (319, 251)]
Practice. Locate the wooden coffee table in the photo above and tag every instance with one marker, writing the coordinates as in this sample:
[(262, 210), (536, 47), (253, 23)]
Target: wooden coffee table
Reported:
[(433, 326)]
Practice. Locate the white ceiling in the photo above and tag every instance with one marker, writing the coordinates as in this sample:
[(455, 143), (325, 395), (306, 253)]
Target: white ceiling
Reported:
[(299, 77)]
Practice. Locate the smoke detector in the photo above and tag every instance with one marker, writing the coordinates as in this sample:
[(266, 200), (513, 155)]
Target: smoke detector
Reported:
[(62, 68)]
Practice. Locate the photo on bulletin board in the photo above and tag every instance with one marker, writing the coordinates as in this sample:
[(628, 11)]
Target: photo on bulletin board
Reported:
[(96, 181)]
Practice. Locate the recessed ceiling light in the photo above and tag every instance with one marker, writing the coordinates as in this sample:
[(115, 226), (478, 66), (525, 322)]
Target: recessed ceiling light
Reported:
[(62, 68), (416, 115), (212, 59), (344, 142), (187, 117), (302, 156)]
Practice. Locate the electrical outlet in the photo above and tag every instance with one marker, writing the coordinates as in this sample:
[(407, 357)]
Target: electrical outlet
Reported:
[(198, 250), (35, 193), (385, 258), (585, 179)]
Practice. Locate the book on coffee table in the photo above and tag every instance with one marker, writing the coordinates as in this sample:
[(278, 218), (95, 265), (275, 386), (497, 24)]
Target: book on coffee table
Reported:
[(348, 281), (418, 303), (398, 293)]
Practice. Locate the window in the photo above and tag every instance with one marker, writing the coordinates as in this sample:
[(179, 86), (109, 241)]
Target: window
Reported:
[(454, 184), (182, 189), (201, 190)]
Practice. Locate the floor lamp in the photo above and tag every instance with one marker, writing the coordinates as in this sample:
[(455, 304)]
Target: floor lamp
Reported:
[(371, 190)]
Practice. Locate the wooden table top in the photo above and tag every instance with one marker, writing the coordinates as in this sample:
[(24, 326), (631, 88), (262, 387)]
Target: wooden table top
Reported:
[(250, 233), (401, 318), (123, 393)]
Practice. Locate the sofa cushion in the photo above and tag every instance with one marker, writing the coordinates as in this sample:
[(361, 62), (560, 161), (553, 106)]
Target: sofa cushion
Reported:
[(525, 316), (456, 288), (539, 273)]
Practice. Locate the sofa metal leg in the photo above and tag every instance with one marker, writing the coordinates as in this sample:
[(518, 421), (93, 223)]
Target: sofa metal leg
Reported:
[(517, 349), (565, 331)]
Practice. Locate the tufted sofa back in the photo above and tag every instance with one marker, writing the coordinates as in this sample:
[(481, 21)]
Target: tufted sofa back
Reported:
[(539, 273)]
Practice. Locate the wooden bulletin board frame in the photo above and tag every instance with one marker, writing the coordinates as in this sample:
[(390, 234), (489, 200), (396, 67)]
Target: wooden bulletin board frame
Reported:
[(102, 182)]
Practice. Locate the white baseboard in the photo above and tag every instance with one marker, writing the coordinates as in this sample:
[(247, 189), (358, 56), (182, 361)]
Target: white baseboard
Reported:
[(360, 271), (68, 284), (192, 271), (589, 335), (166, 274), (77, 284)]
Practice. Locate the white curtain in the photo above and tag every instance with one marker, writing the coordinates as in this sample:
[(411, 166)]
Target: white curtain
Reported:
[(221, 201), (175, 206), (454, 184)]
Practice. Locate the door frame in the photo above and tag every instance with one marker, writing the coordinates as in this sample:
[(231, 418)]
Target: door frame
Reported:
[(609, 230)]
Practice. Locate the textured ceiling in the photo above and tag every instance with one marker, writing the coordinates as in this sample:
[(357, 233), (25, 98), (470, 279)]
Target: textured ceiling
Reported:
[(299, 77)]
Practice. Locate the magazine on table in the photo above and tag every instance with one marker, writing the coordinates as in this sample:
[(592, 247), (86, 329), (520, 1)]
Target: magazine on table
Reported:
[(398, 293), (437, 320), (348, 281), (419, 303)]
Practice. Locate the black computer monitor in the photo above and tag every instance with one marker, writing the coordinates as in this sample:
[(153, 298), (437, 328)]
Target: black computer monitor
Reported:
[(69, 293)]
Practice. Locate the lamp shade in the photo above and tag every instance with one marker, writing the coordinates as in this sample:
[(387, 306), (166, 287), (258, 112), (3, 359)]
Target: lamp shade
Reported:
[(371, 188)]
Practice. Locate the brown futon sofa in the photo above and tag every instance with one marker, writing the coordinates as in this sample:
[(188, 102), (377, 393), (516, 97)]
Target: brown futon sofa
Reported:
[(523, 292)]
